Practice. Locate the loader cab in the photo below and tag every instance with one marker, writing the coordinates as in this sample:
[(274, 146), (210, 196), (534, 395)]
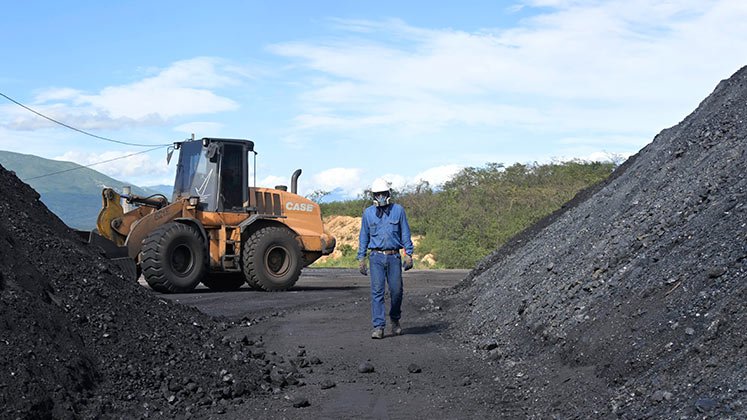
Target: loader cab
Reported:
[(216, 171)]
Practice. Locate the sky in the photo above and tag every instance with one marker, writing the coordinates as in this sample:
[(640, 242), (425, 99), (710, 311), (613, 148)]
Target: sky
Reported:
[(351, 91)]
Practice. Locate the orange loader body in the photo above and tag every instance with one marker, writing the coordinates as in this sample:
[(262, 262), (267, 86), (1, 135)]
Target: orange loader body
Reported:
[(261, 237)]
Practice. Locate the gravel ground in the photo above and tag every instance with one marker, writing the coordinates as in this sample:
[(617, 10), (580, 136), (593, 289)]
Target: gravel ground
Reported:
[(631, 300)]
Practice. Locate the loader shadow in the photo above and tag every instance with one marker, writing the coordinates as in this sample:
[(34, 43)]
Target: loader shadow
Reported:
[(425, 329), (202, 290), (324, 288)]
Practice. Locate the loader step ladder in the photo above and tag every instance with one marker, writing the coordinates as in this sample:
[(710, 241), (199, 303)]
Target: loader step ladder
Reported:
[(230, 261)]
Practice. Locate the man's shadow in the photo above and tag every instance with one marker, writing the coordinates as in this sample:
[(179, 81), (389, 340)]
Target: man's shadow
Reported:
[(425, 329)]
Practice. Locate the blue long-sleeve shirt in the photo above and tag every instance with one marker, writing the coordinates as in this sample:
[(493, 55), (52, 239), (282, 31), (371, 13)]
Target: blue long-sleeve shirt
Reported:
[(390, 231)]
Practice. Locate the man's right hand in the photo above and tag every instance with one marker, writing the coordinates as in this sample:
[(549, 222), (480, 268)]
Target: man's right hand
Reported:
[(407, 262), (362, 267)]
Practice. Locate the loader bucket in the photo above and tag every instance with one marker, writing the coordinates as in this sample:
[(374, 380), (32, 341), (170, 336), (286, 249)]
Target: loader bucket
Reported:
[(116, 254)]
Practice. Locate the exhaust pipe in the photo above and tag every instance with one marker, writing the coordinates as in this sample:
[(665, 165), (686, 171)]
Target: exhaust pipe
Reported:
[(294, 181)]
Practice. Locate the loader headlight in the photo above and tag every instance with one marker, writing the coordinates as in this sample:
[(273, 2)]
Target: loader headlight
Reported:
[(194, 201)]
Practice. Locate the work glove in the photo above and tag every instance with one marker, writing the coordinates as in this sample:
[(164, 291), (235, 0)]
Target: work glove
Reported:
[(407, 262), (362, 267)]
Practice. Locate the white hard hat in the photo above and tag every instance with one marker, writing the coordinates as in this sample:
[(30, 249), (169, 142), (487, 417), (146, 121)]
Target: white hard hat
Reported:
[(379, 185)]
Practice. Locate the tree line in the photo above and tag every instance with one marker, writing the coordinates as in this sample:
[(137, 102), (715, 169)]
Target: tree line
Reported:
[(481, 208)]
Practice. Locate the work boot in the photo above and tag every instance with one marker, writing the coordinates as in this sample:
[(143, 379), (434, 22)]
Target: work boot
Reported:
[(396, 328), (378, 333)]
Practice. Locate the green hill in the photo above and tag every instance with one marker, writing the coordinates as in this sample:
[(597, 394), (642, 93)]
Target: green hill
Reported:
[(481, 208), (74, 195)]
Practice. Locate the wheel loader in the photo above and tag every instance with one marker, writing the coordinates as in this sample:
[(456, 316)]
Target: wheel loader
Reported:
[(216, 230)]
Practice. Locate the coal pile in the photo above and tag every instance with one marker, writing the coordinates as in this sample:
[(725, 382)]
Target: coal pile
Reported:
[(631, 301), (78, 341)]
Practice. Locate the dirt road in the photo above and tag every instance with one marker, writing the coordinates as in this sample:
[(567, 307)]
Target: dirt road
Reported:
[(417, 375)]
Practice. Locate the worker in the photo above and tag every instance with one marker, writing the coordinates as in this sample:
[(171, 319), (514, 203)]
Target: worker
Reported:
[(384, 232)]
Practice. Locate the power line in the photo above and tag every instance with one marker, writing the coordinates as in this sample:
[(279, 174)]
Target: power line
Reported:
[(92, 164), (77, 129)]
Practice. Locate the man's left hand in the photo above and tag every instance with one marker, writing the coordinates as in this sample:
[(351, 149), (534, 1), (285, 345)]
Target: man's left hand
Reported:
[(407, 262)]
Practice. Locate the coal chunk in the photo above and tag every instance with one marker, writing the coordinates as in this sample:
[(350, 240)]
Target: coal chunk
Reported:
[(327, 384), (365, 367)]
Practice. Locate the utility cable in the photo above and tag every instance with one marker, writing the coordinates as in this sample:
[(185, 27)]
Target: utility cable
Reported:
[(93, 164), (77, 129)]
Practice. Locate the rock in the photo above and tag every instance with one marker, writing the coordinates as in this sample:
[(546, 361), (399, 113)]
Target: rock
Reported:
[(315, 361), (259, 353), (661, 396), (277, 377), (174, 385), (300, 401), (327, 384), (466, 381), (413, 368), (716, 272), (495, 354), (292, 379), (239, 389), (705, 404), (489, 344), (689, 331), (365, 367)]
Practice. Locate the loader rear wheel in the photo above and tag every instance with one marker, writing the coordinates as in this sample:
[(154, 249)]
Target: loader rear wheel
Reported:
[(174, 258), (272, 259), (224, 282)]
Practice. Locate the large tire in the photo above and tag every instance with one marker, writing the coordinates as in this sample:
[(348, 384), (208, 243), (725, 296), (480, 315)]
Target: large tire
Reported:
[(224, 282), (174, 258), (251, 282), (272, 259)]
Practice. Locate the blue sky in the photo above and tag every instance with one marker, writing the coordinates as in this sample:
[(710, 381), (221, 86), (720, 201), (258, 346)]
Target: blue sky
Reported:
[(351, 90)]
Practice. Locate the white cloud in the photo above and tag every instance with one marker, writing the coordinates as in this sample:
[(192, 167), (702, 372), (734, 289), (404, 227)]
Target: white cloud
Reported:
[(182, 89), (347, 180), (606, 157), (351, 182), (438, 175), (140, 169), (185, 88), (396, 181), (625, 67)]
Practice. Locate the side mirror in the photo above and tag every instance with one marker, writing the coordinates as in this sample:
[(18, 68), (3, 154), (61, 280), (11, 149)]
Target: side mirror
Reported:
[(212, 152)]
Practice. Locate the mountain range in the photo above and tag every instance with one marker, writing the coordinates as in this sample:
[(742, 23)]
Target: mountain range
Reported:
[(71, 191)]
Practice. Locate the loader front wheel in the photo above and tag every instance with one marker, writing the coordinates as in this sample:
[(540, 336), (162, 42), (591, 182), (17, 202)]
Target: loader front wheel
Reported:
[(174, 258), (272, 259)]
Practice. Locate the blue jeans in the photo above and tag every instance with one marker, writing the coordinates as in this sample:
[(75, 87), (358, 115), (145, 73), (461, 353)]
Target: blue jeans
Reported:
[(385, 269)]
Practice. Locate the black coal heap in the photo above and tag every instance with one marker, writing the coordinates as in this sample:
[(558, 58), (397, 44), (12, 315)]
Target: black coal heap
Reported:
[(632, 300), (78, 341)]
